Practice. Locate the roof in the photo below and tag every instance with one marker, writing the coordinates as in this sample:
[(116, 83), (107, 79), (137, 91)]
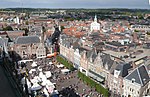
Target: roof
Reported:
[(81, 49), (69, 41), (2, 42), (92, 54), (66, 43), (106, 59), (140, 75), (114, 43), (123, 68), (27, 40)]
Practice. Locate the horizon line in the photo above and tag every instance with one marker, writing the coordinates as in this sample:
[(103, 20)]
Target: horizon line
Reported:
[(77, 8)]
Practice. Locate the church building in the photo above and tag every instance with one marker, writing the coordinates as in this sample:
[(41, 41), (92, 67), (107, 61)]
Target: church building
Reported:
[(95, 26)]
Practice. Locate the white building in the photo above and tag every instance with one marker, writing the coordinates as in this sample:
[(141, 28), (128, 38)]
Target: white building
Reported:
[(16, 20), (140, 28), (124, 41), (136, 83), (41, 51), (77, 58), (95, 25)]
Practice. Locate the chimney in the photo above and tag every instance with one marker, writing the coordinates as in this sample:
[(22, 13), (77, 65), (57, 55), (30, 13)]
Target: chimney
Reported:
[(133, 65)]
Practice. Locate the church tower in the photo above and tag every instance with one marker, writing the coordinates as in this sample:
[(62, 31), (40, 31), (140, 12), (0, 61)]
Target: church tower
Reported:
[(95, 26), (95, 19)]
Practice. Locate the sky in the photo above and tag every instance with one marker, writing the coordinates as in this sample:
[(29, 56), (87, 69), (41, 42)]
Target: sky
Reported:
[(138, 4)]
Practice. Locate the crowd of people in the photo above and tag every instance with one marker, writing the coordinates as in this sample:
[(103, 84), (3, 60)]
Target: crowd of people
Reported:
[(44, 78), (35, 77)]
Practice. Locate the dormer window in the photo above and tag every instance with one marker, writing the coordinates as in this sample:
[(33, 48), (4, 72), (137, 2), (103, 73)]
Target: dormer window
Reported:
[(106, 67), (133, 80), (116, 73), (144, 80), (91, 60)]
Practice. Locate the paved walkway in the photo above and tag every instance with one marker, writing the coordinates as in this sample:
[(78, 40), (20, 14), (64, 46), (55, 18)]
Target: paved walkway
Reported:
[(5, 87), (72, 80)]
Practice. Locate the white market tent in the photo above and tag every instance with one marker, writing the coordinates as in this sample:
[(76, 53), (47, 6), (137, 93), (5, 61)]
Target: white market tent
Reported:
[(65, 71), (34, 64), (39, 68), (46, 92), (60, 66), (49, 84), (43, 78), (48, 74), (41, 74), (33, 80), (50, 87), (37, 78), (36, 86), (41, 57), (55, 92), (32, 70), (24, 61), (50, 63), (23, 81)]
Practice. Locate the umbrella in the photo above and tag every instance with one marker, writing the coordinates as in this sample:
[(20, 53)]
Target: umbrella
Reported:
[(31, 70), (46, 92), (36, 86), (34, 64), (50, 89), (48, 74), (55, 92), (50, 63)]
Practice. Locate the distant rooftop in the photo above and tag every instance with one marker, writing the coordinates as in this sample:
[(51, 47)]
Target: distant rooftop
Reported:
[(27, 40), (146, 52)]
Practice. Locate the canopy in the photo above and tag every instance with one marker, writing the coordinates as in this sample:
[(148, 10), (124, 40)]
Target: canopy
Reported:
[(37, 78), (50, 63), (50, 86), (36, 86), (65, 70), (55, 92), (48, 74), (46, 92), (49, 83), (31, 70), (34, 64), (40, 68), (60, 66), (23, 80), (33, 80)]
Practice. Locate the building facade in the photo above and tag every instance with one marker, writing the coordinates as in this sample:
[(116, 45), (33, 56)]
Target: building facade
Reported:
[(136, 83)]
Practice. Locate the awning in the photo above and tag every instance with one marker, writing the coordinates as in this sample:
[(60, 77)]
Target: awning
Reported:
[(96, 76)]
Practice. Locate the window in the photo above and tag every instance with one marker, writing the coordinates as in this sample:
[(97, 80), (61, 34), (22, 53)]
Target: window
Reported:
[(133, 80)]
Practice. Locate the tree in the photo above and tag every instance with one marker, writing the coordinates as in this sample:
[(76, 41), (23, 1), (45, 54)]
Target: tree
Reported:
[(27, 23), (94, 84), (26, 31), (136, 30), (8, 28), (148, 33), (44, 29), (62, 27)]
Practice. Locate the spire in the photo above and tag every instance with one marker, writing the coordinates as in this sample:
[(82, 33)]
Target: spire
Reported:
[(95, 19)]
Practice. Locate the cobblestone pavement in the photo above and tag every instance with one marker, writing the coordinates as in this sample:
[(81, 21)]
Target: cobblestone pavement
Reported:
[(71, 80)]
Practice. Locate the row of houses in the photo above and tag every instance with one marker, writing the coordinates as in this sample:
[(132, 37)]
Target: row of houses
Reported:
[(117, 75)]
